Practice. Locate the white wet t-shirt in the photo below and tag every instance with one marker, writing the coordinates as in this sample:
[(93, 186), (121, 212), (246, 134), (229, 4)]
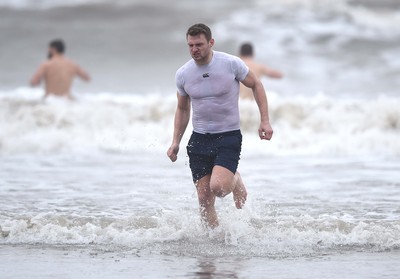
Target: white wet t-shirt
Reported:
[(214, 92)]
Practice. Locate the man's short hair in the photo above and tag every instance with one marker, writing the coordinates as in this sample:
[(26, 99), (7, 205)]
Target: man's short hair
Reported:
[(58, 45), (198, 29), (246, 49)]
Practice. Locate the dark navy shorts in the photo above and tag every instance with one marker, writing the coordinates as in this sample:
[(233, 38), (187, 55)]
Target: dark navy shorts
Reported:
[(208, 150)]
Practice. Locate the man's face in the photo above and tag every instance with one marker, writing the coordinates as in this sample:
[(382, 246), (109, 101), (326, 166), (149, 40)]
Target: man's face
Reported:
[(199, 47)]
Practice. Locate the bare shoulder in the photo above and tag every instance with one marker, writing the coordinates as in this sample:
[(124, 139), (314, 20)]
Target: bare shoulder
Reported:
[(70, 62), (256, 68), (44, 66), (45, 63), (72, 65)]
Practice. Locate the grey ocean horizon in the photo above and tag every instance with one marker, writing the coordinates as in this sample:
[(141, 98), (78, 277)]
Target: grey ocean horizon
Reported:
[(87, 190)]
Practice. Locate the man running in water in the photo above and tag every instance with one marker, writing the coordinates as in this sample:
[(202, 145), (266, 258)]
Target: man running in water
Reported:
[(209, 82), (58, 72)]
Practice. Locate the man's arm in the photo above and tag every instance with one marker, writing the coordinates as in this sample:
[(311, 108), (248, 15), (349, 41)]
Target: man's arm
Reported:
[(82, 73), (182, 116), (38, 75), (271, 72), (265, 131)]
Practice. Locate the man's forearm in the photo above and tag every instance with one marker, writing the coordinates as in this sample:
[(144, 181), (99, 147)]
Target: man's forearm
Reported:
[(262, 102), (180, 123)]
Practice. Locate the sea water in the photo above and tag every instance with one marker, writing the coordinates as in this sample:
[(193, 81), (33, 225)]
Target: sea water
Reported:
[(91, 179), (87, 190)]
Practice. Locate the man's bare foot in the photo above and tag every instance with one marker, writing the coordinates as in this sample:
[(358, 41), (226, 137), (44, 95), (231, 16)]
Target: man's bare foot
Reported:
[(239, 194)]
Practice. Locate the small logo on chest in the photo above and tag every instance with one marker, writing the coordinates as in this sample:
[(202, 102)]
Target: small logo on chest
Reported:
[(206, 75)]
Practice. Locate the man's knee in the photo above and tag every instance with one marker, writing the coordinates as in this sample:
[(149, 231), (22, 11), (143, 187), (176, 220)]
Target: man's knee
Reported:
[(221, 181), (219, 189)]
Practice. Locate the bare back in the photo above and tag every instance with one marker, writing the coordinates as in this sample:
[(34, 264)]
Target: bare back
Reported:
[(259, 70), (58, 75), (245, 92)]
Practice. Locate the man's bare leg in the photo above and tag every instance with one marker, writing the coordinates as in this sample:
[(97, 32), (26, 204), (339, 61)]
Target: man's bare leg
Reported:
[(223, 182), (239, 192), (207, 202)]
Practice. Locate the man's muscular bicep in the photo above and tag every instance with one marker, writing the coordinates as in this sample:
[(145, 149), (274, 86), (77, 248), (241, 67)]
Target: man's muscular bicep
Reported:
[(183, 102), (250, 80)]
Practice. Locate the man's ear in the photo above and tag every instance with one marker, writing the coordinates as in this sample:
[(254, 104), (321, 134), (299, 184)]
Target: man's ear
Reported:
[(212, 42)]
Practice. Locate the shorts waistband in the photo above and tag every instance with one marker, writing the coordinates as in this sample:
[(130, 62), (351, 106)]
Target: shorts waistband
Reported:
[(214, 135)]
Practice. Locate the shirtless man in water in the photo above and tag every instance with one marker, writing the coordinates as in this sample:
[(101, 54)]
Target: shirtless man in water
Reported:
[(209, 83), (58, 72), (260, 70)]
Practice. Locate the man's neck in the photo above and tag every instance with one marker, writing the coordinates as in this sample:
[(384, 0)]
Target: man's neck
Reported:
[(58, 56), (246, 57), (207, 60)]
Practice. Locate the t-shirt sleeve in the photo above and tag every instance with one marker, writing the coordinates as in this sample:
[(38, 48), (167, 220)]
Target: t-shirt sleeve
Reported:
[(239, 68), (180, 83)]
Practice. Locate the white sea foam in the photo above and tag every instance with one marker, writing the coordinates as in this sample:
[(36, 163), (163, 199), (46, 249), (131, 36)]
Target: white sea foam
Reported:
[(134, 198), (239, 234), (127, 122)]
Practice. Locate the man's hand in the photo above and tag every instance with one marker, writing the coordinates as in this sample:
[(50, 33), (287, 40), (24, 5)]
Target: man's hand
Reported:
[(172, 152), (265, 131)]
